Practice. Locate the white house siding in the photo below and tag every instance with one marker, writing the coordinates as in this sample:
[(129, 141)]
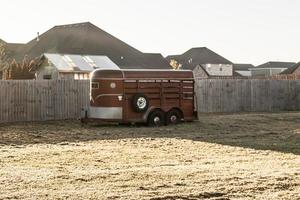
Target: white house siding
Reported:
[(219, 69), (199, 72), (47, 70), (66, 76)]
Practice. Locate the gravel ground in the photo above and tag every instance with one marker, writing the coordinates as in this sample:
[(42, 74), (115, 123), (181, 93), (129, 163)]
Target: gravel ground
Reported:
[(242, 156)]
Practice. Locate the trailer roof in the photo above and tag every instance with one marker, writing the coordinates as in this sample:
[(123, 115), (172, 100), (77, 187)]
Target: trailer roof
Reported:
[(143, 74)]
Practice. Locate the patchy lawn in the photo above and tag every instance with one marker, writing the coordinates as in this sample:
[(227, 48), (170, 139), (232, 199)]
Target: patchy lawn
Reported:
[(245, 156)]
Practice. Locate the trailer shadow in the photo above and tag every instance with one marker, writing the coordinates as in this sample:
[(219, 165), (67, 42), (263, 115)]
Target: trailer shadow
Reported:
[(277, 132)]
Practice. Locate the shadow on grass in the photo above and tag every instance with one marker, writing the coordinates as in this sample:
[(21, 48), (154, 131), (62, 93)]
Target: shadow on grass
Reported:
[(276, 132)]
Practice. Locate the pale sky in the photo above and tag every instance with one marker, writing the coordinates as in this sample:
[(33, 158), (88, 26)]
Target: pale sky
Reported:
[(243, 31)]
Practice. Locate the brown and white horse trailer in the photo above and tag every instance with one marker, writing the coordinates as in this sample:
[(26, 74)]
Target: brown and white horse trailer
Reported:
[(155, 97)]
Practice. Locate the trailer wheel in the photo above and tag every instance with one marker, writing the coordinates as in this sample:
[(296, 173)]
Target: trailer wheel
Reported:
[(173, 117), (156, 118), (140, 103)]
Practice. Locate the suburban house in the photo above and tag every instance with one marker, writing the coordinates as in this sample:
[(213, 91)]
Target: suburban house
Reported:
[(294, 70), (87, 39), (67, 66), (270, 69), (243, 69), (203, 61)]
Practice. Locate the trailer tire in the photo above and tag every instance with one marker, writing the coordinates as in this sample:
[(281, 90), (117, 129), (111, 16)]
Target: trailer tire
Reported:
[(156, 118), (140, 103), (173, 117)]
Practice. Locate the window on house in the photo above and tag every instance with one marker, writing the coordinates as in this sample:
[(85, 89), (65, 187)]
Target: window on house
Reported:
[(86, 76), (47, 77), (81, 76)]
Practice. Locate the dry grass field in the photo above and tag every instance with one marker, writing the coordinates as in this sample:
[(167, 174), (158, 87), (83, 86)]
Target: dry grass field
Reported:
[(244, 156)]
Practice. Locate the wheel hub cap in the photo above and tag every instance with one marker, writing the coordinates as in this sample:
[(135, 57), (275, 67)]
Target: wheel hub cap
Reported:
[(156, 120), (141, 103), (173, 118)]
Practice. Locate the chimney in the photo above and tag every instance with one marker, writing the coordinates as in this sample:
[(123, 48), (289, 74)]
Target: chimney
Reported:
[(38, 37)]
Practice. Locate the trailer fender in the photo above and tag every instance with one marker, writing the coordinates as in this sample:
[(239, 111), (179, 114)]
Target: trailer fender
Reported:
[(145, 116)]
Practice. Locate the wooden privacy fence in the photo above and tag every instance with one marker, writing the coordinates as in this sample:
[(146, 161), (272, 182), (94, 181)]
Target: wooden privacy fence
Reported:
[(246, 95), (33, 100)]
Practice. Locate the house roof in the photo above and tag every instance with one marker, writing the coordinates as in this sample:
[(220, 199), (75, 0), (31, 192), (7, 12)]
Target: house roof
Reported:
[(237, 74), (85, 63), (199, 55), (273, 64), (155, 61), (242, 67), (292, 69), (13, 48), (86, 39)]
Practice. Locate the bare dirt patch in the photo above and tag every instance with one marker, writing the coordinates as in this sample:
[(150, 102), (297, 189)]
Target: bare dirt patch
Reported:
[(245, 156)]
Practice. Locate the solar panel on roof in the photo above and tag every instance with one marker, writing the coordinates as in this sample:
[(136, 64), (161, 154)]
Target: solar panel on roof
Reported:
[(88, 63), (80, 63), (104, 62), (58, 62)]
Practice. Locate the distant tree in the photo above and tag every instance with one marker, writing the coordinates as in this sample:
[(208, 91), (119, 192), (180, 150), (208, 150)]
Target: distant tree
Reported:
[(11, 69), (4, 59), (175, 65), (21, 71)]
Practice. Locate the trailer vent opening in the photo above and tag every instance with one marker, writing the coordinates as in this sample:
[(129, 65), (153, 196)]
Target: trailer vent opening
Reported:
[(95, 85)]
